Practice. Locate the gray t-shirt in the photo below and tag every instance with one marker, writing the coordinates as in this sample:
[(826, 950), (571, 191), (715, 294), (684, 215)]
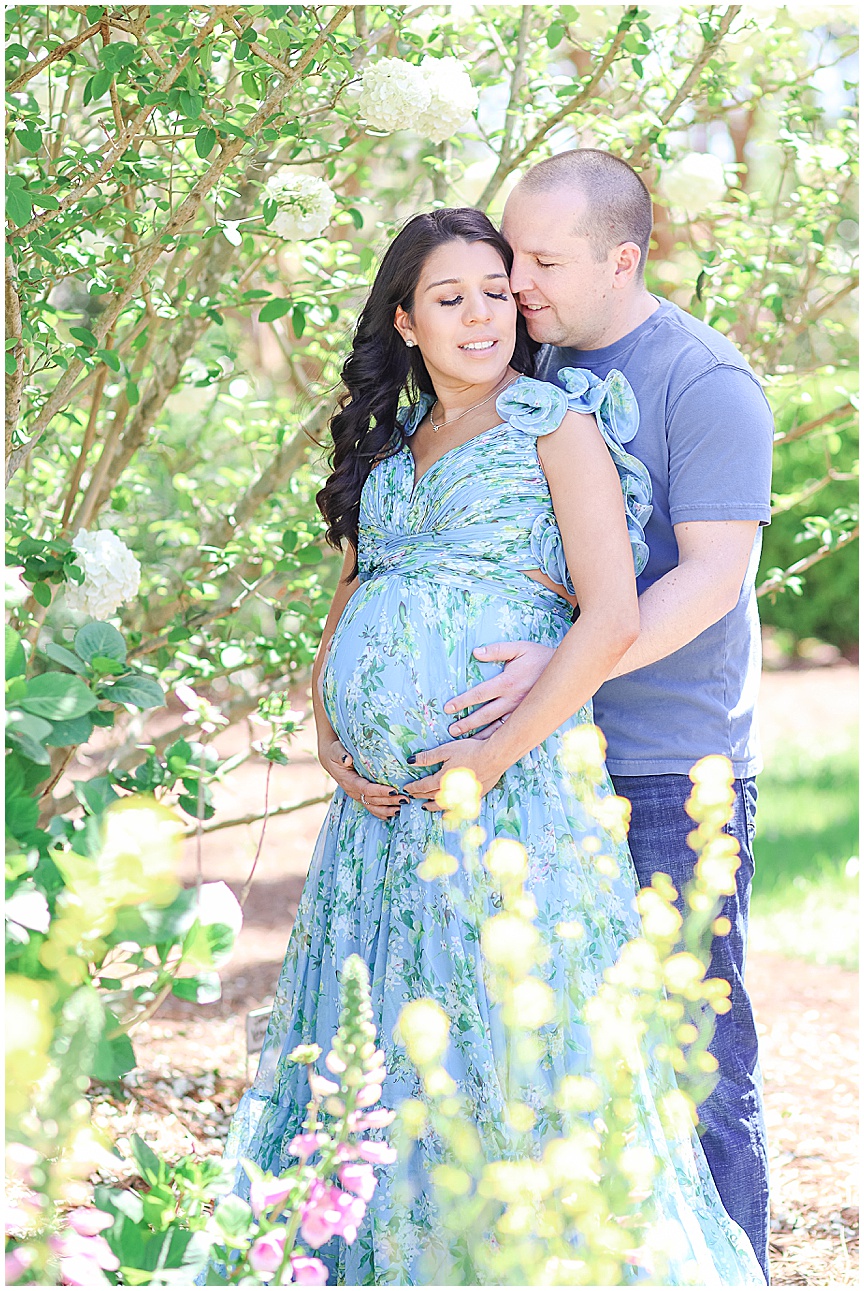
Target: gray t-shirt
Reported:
[(705, 435)]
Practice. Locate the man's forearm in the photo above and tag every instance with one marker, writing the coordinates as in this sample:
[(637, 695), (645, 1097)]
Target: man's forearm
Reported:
[(672, 612)]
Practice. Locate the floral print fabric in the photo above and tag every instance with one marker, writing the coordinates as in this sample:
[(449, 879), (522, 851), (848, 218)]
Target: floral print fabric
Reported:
[(442, 566)]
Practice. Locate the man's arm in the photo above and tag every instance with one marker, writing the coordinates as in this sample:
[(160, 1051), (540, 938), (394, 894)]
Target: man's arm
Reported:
[(704, 586)]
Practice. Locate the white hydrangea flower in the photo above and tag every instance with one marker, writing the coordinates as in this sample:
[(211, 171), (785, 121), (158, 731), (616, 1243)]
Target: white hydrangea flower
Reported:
[(218, 904), (696, 181), (112, 575), (305, 204), (393, 94), (453, 99)]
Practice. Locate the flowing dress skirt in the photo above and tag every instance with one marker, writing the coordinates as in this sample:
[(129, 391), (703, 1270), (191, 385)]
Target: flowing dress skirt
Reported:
[(402, 647)]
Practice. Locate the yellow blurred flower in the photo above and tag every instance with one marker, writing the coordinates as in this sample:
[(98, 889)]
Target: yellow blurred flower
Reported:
[(683, 974), (531, 1004), (573, 1159), (514, 1181), (424, 1029), (412, 1116), (577, 1094), (437, 865), (637, 967), (460, 794), (718, 865), (29, 1028), (521, 1117), (141, 850), (507, 860), (584, 752), (678, 1113), (660, 920), (570, 928), (511, 943), (613, 814)]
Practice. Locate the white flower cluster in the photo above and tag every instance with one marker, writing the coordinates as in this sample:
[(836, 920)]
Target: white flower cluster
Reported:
[(112, 575), (436, 99), (695, 182), (305, 204)]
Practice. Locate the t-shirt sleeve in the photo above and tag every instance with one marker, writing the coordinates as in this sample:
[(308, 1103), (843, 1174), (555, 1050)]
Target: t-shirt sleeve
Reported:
[(720, 436)]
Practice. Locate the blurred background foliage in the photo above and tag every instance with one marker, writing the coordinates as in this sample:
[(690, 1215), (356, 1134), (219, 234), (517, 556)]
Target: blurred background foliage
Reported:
[(173, 358)]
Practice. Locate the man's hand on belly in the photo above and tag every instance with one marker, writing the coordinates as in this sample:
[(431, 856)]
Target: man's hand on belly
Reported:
[(382, 800), (524, 661)]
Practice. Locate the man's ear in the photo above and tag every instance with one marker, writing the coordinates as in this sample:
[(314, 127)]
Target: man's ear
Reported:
[(402, 323), (627, 258)]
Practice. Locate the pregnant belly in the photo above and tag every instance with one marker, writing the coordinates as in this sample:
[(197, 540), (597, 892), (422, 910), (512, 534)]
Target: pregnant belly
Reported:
[(402, 648)]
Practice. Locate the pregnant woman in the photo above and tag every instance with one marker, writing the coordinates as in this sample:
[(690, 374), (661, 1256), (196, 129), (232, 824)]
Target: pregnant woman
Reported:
[(484, 510)]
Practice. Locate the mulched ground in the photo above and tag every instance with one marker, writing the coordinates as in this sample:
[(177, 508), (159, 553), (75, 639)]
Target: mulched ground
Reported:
[(192, 1060)]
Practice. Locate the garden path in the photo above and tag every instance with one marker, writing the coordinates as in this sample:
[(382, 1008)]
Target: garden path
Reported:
[(193, 1063)]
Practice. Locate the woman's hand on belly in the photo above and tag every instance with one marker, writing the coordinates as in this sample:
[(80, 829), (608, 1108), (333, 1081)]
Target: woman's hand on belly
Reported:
[(381, 800), (473, 754)]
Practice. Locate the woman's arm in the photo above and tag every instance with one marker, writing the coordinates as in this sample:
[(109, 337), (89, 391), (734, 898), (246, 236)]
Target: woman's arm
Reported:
[(589, 508), (332, 754)]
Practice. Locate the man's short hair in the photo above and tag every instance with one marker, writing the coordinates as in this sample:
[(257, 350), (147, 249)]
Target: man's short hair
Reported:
[(618, 205)]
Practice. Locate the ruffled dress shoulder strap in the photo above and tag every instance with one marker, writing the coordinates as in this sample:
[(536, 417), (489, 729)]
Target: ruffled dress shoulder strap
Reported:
[(535, 407), (613, 403)]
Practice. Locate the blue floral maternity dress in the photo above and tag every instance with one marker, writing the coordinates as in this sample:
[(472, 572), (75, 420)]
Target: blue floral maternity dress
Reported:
[(442, 561)]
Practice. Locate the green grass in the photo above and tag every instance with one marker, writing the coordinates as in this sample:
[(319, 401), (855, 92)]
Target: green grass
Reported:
[(805, 893)]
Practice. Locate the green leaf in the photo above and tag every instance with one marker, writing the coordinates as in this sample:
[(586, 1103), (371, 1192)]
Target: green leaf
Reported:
[(137, 689), (99, 84), (29, 138), (205, 141), (117, 55), (110, 358), (356, 217), (233, 1216), (298, 320), (276, 308), (22, 816), (84, 335), (113, 1058), (21, 741), (14, 777), (42, 594), (95, 795), (555, 35), (11, 365), (132, 394), (58, 697), (16, 660), (99, 639), (59, 654), (152, 1169), (636, 64), (203, 988), (76, 731), (94, 12), (19, 204)]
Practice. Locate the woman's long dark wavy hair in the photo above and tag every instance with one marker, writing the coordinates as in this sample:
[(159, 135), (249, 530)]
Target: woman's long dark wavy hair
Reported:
[(380, 365)]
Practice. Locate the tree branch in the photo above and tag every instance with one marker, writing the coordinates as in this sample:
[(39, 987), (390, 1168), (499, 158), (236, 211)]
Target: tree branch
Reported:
[(60, 52), (183, 215), (798, 432), (283, 810), (709, 47), (14, 380), (776, 583)]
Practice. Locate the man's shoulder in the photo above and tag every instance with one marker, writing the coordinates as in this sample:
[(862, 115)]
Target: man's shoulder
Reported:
[(701, 344)]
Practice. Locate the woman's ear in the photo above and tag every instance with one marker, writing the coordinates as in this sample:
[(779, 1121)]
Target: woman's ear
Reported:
[(402, 323)]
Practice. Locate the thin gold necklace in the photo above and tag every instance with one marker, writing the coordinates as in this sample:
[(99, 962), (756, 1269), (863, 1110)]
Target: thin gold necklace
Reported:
[(442, 424)]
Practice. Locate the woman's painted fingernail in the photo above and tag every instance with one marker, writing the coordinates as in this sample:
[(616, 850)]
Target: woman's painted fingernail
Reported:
[(403, 802), (394, 793), (412, 759), (345, 757)]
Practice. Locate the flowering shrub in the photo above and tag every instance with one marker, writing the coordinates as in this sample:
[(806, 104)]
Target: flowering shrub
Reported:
[(112, 575), (436, 99), (304, 204), (576, 1215)]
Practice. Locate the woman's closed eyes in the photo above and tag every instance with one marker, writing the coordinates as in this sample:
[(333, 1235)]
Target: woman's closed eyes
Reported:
[(496, 295)]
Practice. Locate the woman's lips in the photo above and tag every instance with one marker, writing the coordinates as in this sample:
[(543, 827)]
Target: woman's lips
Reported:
[(479, 347)]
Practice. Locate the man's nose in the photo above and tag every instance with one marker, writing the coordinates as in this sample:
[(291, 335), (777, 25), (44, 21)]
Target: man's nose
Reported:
[(520, 277)]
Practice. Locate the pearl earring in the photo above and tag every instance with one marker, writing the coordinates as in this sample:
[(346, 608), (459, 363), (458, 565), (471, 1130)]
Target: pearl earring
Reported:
[(409, 344)]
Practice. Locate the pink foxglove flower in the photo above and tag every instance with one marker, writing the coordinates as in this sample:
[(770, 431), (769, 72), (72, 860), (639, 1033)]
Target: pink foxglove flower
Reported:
[(375, 1120), (268, 1251), (368, 1095), (17, 1263), (358, 1178), (303, 1145), (308, 1271), (87, 1221), (264, 1194), (377, 1153), (321, 1218)]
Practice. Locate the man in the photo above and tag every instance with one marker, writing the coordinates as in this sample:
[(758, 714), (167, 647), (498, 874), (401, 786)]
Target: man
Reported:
[(579, 224)]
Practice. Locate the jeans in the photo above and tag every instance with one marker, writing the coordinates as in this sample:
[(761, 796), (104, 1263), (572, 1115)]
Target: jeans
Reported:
[(732, 1126)]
